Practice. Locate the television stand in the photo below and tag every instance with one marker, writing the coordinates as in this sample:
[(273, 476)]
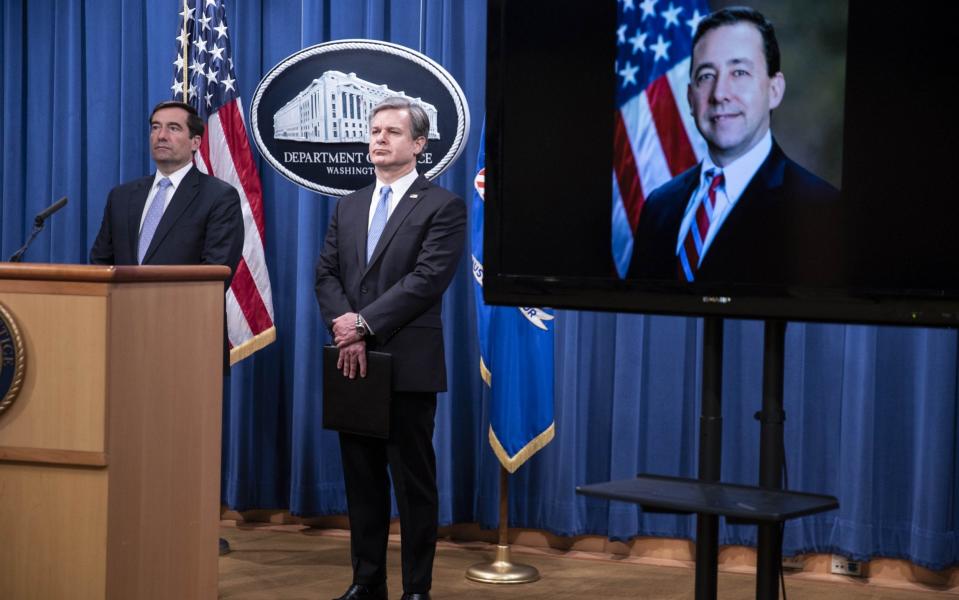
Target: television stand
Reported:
[(767, 505)]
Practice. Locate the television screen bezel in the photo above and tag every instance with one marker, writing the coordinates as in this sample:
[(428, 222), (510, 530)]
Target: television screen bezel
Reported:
[(851, 304)]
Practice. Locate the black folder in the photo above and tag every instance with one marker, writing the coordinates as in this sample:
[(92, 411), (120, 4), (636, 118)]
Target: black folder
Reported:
[(362, 405)]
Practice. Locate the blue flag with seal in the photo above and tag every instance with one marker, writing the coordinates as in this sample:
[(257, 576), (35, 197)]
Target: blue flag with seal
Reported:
[(516, 357)]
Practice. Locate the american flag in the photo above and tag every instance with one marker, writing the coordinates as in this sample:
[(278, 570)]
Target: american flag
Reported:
[(204, 75), (655, 136)]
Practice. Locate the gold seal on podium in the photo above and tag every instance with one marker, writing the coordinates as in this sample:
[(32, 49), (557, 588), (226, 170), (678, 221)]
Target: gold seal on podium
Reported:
[(13, 359)]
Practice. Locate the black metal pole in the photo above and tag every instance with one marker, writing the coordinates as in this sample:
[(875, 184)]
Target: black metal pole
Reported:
[(710, 455), (18, 255), (770, 544)]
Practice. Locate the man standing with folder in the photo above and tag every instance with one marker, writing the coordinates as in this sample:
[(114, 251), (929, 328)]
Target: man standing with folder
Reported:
[(390, 253)]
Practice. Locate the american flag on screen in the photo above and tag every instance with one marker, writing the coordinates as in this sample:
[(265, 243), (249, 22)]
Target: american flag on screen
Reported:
[(655, 136), (204, 75)]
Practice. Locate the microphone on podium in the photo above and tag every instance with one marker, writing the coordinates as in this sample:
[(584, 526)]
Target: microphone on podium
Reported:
[(38, 222), (44, 214)]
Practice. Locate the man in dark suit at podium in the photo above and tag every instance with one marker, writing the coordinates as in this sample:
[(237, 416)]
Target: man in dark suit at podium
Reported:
[(178, 215), (390, 252), (746, 213)]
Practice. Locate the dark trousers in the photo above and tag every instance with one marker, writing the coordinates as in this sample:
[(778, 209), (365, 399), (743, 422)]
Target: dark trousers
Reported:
[(412, 464)]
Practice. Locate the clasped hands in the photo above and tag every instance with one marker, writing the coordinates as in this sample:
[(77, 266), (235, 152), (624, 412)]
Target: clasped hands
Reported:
[(352, 358)]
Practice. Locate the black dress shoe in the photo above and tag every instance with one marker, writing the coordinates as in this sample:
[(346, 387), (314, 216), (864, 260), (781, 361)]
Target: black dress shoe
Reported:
[(424, 596), (364, 592)]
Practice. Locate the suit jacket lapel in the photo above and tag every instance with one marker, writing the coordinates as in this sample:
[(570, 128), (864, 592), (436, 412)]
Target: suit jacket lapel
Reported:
[(679, 208), (186, 192), (406, 204), (745, 216), (136, 204), (362, 224)]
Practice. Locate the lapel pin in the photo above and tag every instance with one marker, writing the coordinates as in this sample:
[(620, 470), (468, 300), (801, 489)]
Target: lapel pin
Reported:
[(414, 195)]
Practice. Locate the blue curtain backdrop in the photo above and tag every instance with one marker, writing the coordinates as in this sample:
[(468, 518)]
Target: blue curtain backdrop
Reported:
[(871, 411)]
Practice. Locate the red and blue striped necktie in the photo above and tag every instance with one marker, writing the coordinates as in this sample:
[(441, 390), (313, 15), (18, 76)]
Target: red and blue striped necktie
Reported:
[(692, 248)]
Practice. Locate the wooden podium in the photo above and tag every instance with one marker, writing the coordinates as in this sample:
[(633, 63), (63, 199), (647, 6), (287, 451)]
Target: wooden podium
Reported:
[(110, 455)]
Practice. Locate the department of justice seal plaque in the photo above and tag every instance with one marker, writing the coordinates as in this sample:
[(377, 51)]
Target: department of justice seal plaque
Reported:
[(13, 359), (310, 113)]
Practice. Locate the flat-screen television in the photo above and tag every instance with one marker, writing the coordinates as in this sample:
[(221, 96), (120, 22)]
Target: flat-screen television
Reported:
[(601, 158)]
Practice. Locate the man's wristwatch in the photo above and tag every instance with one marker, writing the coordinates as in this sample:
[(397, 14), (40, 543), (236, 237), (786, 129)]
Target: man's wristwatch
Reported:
[(362, 329)]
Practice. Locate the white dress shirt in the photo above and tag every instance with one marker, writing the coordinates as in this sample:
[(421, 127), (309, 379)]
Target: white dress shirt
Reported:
[(398, 190), (175, 178)]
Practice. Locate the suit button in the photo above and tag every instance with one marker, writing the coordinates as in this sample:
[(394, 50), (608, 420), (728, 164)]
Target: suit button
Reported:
[(363, 289)]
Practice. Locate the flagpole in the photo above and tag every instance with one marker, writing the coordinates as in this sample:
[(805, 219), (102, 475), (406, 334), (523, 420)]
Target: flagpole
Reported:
[(502, 569), (185, 53)]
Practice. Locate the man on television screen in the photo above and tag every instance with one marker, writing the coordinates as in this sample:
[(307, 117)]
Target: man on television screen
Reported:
[(746, 213)]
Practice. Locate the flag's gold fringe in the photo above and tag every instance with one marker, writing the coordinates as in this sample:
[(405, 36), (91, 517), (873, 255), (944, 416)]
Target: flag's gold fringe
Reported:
[(485, 374), (535, 445), (260, 340)]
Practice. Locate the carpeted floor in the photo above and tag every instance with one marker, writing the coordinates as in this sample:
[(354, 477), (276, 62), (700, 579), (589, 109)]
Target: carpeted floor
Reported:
[(273, 563)]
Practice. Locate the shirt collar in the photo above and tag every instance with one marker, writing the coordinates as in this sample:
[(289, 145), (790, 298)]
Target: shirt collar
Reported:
[(175, 177), (740, 172), (399, 187)]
